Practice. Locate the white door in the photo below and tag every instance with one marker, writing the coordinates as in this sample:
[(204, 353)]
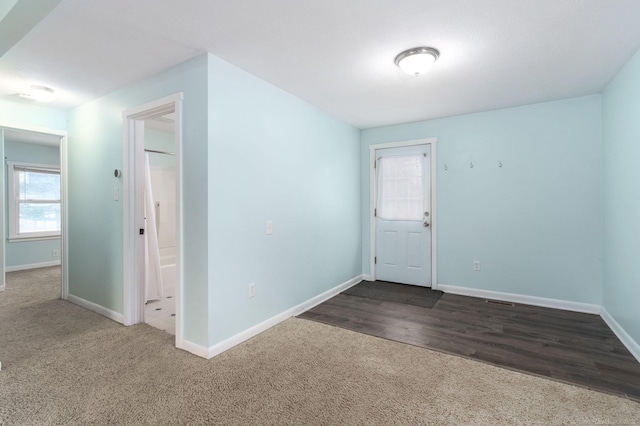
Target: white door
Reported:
[(402, 215)]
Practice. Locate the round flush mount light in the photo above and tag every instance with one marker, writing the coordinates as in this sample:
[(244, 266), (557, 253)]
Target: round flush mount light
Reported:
[(40, 93), (417, 60)]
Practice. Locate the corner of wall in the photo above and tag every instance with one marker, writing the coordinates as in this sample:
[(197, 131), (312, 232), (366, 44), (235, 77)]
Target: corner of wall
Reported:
[(621, 333), (238, 338), (621, 204)]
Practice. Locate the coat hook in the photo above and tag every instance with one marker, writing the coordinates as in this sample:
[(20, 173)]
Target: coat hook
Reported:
[(499, 163), (471, 165), (445, 167)]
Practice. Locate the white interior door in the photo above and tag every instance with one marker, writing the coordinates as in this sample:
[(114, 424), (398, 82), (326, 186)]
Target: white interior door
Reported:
[(402, 215)]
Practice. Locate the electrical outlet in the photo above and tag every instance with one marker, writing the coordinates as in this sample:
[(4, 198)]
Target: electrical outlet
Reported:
[(54, 253), (476, 265), (269, 227), (252, 290)]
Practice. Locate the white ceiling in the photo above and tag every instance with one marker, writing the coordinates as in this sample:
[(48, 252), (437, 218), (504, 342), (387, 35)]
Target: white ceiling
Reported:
[(338, 54)]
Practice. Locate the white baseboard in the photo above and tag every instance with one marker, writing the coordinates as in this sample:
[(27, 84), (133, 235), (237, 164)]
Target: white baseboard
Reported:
[(523, 299), (2, 287), (367, 277), (259, 328), (117, 317), (194, 348), (624, 337), (31, 266)]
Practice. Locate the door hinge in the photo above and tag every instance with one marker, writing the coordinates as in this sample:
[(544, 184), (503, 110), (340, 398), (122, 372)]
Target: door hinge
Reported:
[(375, 212), (375, 260), (374, 163)]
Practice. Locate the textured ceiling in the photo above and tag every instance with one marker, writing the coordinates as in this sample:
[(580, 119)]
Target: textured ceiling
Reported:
[(337, 54)]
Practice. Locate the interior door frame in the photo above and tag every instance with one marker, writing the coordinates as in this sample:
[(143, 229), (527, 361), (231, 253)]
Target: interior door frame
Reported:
[(64, 218), (372, 200), (133, 187)]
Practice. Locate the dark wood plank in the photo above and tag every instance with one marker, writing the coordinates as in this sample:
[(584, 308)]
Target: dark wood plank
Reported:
[(567, 346)]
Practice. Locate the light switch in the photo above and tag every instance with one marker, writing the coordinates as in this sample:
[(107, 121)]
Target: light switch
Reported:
[(269, 227), (116, 193)]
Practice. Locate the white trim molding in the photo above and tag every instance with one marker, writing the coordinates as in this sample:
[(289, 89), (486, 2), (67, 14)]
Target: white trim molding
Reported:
[(2, 287), (194, 348), (620, 332), (263, 326), (133, 187), (367, 277), (432, 142), (117, 317), (31, 266), (523, 299), (64, 243)]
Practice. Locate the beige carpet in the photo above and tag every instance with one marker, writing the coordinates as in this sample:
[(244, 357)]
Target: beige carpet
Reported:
[(65, 365)]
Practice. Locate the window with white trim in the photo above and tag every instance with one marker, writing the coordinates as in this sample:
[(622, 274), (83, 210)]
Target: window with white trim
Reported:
[(34, 201)]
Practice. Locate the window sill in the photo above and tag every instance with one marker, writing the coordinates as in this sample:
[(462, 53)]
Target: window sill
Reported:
[(33, 238)]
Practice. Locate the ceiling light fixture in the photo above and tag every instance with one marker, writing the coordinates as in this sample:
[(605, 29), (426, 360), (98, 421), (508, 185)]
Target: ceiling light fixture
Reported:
[(417, 60), (40, 93)]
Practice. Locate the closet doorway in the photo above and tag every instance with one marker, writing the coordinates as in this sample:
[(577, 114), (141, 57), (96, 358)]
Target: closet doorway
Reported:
[(152, 171)]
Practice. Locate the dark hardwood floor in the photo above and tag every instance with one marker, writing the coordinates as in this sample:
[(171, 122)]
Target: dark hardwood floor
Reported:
[(567, 346)]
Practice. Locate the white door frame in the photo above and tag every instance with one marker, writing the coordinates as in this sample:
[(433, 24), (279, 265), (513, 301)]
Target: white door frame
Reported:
[(64, 231), (372, 201), (133, 183)]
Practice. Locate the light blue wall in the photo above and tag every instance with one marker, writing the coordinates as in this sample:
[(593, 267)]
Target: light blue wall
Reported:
[(29, 252), (5, 7), (96, 220), (22, 114), (536, 223), (621, 129), (274, 157), (251, 153)]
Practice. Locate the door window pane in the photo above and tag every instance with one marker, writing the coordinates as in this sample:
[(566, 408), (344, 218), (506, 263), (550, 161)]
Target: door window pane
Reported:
[(401, 187)]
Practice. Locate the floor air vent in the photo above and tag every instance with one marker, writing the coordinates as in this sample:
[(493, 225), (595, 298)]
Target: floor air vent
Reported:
[(500, 302)]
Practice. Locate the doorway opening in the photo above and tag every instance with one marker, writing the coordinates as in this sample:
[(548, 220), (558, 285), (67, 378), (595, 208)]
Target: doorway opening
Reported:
[(152, 171), (160, 222), (402, 212), (33, 200)]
